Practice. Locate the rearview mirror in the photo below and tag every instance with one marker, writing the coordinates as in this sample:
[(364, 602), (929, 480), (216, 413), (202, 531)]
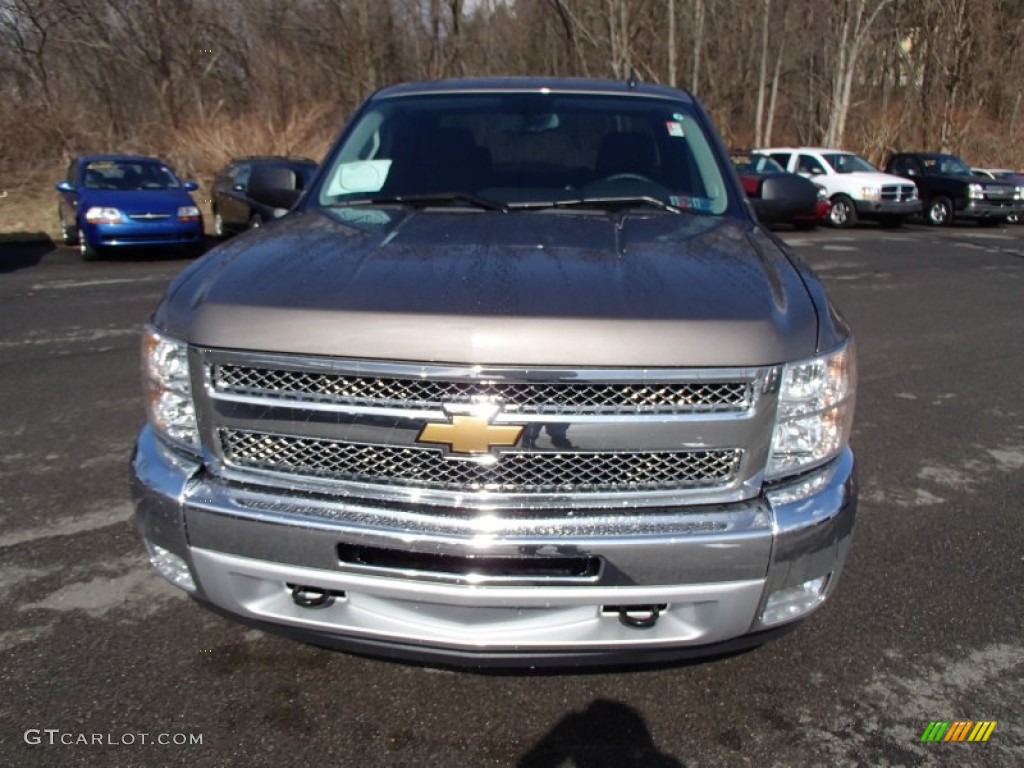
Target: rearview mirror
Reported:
[(275, 186), (785, 197), (65, 186)]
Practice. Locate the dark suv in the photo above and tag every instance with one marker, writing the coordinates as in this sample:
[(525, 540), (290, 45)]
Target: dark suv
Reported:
[(519, 380), (949, 190), (235, 209)]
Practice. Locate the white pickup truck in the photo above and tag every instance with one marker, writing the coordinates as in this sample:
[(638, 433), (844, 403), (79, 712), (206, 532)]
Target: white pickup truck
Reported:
[(856, 188)]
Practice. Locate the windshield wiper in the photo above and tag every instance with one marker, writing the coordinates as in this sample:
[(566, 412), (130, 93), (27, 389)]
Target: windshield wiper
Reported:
[(599, 202), (429, 199)]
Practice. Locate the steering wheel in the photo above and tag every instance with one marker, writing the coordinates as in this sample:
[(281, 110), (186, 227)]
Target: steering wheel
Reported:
[(629, 177)]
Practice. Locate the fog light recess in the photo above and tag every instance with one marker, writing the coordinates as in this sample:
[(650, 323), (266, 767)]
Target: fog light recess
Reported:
[(171, 567), (793, 602)]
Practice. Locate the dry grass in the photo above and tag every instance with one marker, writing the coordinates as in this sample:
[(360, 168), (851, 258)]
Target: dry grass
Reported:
[(197, 151), (29, 208)]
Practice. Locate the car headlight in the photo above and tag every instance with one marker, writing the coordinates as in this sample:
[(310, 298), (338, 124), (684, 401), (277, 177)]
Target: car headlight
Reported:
[(1019, 194), (99, 215), (189, 213), (815, 412), (975, 191), (822, 192), (871, 193), (168, 389)]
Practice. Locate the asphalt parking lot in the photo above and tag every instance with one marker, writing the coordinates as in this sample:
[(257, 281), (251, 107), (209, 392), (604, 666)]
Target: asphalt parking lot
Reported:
[(926, 624)]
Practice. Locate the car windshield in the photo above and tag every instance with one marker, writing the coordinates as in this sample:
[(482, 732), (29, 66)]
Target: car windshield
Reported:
[(945, 165), (755, 163), (847, 162), (528, 150), (120, 174)]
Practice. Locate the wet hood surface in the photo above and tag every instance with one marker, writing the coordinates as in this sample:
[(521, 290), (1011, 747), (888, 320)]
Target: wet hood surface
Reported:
[(540, 288)]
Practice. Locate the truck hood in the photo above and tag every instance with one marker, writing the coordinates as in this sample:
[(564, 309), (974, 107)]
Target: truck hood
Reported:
[(520, 288), (873, 178), (137, 200)]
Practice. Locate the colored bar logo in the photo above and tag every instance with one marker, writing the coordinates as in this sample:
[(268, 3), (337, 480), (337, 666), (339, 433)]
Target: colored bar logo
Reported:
[(958, 730)]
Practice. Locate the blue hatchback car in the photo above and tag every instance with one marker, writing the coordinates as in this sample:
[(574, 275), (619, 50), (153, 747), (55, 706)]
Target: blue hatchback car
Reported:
[(109, 201)]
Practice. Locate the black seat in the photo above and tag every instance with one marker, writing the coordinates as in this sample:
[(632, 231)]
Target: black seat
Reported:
[(439, 160)]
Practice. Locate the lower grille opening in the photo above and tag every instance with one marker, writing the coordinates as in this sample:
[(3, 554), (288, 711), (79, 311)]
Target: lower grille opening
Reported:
[(487, 566)]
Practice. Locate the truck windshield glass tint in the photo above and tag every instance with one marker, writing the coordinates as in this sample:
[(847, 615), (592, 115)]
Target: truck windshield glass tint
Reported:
[(525, 148)]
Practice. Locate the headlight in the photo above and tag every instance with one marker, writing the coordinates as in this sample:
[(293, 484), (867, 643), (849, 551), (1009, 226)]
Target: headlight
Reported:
[(822, 192), (189, 213), (168, 389), (97, 215), (871, 193), (975, 191), (815, 412), (1019, 194)]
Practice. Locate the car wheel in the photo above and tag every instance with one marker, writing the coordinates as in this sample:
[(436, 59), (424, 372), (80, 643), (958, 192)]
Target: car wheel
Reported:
[(1013, 218), (843, 213), (218, 224), (891, 222), (87, 251), (940, 212)]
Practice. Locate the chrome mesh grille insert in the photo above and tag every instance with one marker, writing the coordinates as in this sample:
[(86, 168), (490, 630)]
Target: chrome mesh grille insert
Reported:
[(516, 397), (532, 472)]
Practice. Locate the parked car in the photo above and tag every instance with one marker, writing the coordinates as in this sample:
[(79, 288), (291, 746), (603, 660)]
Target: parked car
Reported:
[(520, 381), (755, 169), (856, 189), (951, 191), (117, 201), (234, 207), (1013, 177)]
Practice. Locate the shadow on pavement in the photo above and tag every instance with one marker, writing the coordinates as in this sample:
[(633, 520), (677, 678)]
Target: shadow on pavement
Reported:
[(23, 249), (608, 734)]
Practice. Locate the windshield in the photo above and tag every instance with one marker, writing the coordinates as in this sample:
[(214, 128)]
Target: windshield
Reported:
[(845, 162), (118, 174), (527, 150), (945, 165), (755, 163)]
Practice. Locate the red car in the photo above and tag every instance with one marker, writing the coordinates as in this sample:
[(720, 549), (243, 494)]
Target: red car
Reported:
[(754, 168)]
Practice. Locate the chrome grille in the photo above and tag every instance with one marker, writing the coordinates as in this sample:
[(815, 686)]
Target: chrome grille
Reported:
[(999, 192), (898, 192), (523, 472), (515, 397)]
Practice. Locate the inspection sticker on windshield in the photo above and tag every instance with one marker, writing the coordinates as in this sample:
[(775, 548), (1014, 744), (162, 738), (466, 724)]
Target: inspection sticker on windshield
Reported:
[(688, 203), (675, 128)]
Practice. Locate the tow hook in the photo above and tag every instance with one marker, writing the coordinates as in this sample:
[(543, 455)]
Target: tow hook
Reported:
[(640, 616), (311, 597)]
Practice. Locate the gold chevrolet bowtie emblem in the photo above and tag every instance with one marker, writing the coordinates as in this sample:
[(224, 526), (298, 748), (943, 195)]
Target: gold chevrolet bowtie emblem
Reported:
[(469, 434)]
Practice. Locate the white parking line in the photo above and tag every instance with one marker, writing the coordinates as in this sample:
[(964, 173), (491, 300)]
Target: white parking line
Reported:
[(59, 285)]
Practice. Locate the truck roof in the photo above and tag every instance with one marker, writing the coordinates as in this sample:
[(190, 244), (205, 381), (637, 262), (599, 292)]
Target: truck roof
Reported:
[(532, 85)]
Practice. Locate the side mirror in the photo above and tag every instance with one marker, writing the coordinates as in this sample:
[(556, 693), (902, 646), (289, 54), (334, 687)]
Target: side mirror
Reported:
[(274, 186), (65, 186), (191, 186), (784, 197)]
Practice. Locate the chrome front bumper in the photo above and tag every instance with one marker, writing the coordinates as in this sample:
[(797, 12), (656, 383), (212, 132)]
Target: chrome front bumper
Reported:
[(713, 567)]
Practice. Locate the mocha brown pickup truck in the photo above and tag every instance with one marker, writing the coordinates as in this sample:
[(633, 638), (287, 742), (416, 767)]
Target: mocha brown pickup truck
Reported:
[(520, 380)]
